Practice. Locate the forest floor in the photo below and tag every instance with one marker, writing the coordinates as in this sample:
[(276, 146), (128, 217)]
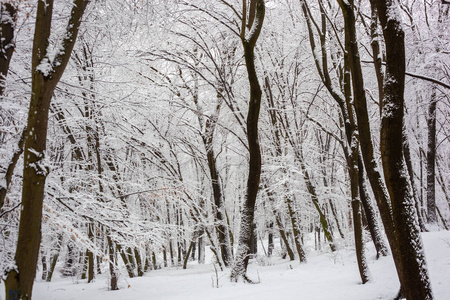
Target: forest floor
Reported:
[(325, 276)]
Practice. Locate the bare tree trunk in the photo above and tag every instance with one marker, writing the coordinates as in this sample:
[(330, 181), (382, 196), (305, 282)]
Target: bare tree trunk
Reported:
[(155, 266), (278, 152), (90, 255), (356, 208), (270, 245), (126, 261), (8, 16), (11, 166), (431, 160), (315, 200), (112, 257), (248, 210), (441, 182), (369, 210), (201, 250), (280, 225), (219, 207), (44, 266), (112, 265), (407, 155), (139, 265), (188, 253), (411, 264), (54, 258), (336, 219), (295, 231), (45, 76)]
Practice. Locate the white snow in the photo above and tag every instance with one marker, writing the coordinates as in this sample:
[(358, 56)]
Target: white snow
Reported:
[(325, 276), (45, 67)]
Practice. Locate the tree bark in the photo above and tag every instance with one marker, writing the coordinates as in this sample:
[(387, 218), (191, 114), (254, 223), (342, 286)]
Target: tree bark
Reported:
[(11, 166), (295, 231), (411, 264), (369, 210), (431, 160), (248, 210), (54, 258), (280, 225), (407, 156), (8, 16), (45, 76), (278, 153), (342, 99), (219, 203), (126, 261), (112, 268)]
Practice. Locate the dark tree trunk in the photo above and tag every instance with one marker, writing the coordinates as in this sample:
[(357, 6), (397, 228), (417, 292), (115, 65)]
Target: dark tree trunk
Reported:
[(8, 16), (365, 140), (356, 209), (44, 266), (68, 265), (54, 259), (201, 250), (408, 161), (219, 205), (248, 209), (295, 231), (154, 264), (165, 257), (278, 152), (336, 219), (126, 261), (279, 222), (45, 76), (431, 161), (99, 263), (353, 157), (369, 210), (139, 265), (90, 255), (188, 254), (270, 245), (11, 166), (411, 264), (359, 241), (112, 265), (315, 200), (193, 251)]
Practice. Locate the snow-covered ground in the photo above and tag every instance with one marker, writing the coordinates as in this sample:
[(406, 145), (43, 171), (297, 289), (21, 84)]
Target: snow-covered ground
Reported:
[(324, 276)]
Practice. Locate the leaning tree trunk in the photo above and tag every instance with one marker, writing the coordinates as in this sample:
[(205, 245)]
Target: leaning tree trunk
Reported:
[(45, 76), (248, 209), (412, 268)]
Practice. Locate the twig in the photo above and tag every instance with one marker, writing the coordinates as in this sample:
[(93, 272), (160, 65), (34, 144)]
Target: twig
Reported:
[(10, 210)]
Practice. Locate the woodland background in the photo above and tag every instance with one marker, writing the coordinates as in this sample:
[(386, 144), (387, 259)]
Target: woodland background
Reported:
[(147, 155)]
